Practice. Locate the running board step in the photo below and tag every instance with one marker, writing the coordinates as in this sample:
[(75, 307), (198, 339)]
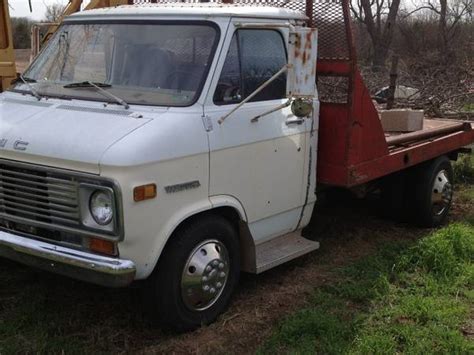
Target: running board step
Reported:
[(282, 249)]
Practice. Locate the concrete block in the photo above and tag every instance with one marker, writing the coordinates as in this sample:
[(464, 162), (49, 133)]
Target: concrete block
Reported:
[(402, 120)]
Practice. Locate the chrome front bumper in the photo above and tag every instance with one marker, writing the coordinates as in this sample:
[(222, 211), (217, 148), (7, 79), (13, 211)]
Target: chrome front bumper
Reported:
[(73, 263)]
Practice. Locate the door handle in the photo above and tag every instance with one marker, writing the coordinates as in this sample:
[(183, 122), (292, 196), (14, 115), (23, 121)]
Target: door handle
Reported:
[(296, 121)]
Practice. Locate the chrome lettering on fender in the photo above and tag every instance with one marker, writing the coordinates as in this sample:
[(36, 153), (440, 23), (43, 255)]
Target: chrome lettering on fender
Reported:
[(20, 145), (17, 145), (181, 187)]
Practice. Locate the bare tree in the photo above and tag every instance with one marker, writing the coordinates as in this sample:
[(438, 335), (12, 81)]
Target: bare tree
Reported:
[(53, 12), (21, 32), (449, 15), (379, 18)]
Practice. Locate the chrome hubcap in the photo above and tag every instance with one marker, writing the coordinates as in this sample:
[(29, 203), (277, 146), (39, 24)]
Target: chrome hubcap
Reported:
[(442, 193), (205, 275)]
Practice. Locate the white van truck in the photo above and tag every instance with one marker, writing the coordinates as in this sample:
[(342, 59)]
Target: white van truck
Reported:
[(174, 143)]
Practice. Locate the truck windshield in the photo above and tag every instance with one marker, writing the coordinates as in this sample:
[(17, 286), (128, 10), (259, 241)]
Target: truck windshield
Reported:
[(155, 63)]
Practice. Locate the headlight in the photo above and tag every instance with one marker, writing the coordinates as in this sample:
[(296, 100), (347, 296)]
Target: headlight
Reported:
[(101, 207)]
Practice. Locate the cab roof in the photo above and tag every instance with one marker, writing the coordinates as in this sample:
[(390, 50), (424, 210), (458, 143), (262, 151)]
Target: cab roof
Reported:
[(191, 10)]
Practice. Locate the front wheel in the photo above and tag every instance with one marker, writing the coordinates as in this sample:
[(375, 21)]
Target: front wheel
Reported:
[(195, 278)]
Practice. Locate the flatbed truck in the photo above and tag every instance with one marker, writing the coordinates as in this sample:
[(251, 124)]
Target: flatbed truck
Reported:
[(183, 143)]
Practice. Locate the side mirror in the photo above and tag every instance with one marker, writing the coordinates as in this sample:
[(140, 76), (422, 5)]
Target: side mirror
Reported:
[(302, 57), (302, 107)]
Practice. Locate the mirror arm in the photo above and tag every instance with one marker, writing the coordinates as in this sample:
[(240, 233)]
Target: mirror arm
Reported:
[(286, 104), (260, 88)]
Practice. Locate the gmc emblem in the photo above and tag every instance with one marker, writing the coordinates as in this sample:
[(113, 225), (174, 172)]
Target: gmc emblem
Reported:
[(17, 145)]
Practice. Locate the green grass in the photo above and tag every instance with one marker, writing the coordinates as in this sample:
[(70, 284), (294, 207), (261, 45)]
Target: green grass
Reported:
[(468, 107), (464, 169), (405, 299), (467, 195), (465, 199)]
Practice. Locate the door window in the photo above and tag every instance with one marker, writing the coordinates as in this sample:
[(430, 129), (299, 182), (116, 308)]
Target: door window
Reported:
[(254, 57)]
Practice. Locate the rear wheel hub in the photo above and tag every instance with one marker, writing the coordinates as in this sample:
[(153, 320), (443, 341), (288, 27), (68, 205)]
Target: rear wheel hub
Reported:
[(442, 193)]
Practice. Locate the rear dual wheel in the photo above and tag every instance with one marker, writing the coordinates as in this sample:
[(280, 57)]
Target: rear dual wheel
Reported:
[(422, 195), (433, 193)]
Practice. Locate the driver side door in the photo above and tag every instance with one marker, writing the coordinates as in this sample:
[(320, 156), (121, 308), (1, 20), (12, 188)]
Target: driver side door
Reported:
[(262, 164)]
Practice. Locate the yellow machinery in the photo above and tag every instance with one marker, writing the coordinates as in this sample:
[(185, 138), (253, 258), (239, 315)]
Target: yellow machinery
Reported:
[(7, 54)]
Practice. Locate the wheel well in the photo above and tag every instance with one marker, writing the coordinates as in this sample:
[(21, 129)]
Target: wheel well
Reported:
[(229, 213), (247, 246), (453, 156)]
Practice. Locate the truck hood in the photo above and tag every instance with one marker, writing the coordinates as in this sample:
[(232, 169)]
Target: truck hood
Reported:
[(71, 134)]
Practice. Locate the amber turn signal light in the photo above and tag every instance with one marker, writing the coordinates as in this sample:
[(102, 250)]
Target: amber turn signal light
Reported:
[(102, 246), (144, 192)]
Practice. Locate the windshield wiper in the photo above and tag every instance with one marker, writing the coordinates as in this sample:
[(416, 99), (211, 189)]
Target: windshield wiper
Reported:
[(27, 82), (86, 84), (25, 78), (100, 87)]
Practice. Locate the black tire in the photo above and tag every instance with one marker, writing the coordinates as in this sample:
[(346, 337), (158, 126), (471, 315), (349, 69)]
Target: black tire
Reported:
[(393, 196), (163, 293), (424, 210)]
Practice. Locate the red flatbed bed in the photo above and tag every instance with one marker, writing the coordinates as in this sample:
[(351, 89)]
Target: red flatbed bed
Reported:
[(396, 157)]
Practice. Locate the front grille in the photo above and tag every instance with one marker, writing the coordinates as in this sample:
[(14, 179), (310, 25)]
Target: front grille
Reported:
[(35, 195)]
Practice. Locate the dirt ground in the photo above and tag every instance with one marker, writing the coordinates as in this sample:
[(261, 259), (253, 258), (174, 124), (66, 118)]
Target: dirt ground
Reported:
[(112, 320)]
